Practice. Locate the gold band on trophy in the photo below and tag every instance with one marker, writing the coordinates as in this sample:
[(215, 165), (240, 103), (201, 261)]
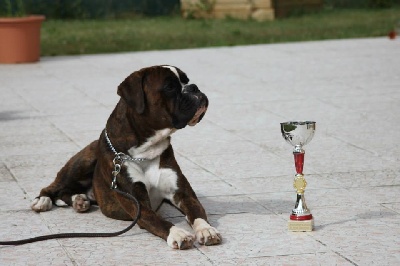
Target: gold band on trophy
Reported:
[(299, 183)]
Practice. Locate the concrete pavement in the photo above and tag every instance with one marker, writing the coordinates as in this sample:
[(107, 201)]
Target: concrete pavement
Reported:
[(235, 159)]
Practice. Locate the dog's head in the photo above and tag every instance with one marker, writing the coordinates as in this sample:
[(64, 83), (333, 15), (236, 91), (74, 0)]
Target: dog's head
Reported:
[(163, 96)]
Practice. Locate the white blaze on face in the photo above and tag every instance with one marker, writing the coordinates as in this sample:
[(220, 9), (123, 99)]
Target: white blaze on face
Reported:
[(173, 69)]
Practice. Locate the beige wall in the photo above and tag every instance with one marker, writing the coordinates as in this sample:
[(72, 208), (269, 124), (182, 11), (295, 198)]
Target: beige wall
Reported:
[(241, 9)]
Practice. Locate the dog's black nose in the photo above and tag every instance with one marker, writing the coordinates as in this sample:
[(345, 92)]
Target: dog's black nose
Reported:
[(191, 88)]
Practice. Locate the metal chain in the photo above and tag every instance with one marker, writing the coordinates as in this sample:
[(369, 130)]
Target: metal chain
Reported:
[(120, 155), (118, 160), (109, 142)]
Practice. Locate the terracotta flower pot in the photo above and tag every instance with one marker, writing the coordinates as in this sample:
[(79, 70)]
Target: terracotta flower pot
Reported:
[(20, 39)]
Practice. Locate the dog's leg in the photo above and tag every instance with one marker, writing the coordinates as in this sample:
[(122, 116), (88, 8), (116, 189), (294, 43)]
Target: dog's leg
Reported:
[(71, 183), (117, 206), (195, 214), (186, 200), (176, 237)]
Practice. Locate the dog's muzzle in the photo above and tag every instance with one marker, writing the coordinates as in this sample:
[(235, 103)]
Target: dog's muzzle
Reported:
[(201, 98), (198, 115)]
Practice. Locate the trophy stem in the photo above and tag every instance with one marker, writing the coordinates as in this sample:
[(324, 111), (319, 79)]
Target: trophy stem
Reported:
[(299, 160), (300, 213)]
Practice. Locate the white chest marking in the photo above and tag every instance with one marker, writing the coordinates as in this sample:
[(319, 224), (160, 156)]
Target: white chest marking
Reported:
[(154, 145), (161, 183)]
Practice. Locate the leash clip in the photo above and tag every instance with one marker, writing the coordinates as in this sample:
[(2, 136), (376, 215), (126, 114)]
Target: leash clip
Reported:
[(118, 161), (114, 183)]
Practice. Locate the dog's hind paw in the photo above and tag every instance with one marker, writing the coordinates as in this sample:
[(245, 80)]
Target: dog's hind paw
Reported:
[(41, 204), (179, 238), (80, 203)]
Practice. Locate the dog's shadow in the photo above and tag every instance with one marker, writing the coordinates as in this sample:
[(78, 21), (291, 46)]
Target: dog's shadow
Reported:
[(218, 207)]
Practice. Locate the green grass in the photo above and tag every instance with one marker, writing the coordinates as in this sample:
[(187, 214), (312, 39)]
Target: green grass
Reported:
[(160, 33)]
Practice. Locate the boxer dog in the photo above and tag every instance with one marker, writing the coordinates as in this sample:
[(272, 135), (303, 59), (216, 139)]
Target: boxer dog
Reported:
[(155, 102)]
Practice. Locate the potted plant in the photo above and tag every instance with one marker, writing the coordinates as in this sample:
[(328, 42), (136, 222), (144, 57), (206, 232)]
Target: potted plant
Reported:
[(19, 34)]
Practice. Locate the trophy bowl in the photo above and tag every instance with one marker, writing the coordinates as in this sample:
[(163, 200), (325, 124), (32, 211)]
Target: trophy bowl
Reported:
[(298, 133)]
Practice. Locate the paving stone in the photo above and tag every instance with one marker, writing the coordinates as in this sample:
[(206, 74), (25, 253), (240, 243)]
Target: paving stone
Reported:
[(235, 159)]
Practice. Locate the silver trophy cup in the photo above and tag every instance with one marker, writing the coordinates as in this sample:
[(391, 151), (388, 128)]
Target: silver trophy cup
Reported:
[(299, 134)]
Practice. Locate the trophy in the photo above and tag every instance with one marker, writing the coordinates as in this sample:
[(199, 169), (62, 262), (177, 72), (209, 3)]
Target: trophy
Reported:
[(299, 134)]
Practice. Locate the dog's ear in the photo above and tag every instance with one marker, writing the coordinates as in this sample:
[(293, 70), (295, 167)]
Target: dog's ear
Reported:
[(131, 90)]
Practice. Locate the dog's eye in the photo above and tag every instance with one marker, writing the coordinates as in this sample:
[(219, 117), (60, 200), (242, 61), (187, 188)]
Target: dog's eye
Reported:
[(171, 87)]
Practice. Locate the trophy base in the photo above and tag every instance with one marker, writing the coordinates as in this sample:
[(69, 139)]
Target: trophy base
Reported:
[(301, 225)]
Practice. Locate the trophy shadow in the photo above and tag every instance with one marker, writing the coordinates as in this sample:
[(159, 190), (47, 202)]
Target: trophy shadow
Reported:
[(219, 207), (370, 215), (14, 115)]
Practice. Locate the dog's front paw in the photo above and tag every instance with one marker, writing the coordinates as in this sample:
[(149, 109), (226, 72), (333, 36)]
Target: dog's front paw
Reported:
[(205, 233), (179, 238), (80, 203), (41, 204)]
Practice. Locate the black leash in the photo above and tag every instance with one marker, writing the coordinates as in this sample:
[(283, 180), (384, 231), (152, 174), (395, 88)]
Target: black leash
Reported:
[(81, 235)]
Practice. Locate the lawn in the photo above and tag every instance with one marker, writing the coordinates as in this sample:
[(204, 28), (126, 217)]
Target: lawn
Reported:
[(67, 37)]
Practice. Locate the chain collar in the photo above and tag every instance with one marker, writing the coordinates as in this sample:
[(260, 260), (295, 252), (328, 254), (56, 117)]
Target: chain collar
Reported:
[(119, 160)]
